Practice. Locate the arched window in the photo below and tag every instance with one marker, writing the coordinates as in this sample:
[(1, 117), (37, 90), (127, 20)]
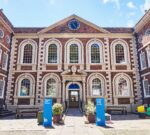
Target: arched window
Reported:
[(51, 87), (25, 87), (122, 87), (119, 51), (52, 53), (74, 56), (27, 55), (96, 87), (95, 53)]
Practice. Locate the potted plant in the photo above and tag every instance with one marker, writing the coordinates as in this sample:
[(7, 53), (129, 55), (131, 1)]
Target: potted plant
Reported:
[(57, 110), (90, 112)]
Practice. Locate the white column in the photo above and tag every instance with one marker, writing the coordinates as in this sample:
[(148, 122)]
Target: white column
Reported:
[(84, 96)]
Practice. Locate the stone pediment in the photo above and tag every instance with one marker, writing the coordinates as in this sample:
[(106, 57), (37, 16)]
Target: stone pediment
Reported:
[(63, 26)]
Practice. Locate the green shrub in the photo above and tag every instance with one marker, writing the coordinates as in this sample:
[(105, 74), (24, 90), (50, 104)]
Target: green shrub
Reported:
[(57, 109), (90, 108)]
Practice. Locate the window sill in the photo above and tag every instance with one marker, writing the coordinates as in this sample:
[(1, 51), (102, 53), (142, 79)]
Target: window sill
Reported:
[(16, 97)]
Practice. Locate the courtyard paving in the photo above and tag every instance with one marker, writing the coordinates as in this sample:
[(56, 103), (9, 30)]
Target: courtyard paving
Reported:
[(75, 125)]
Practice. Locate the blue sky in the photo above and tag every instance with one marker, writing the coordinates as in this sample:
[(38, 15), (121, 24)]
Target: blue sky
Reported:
[(105, 13)]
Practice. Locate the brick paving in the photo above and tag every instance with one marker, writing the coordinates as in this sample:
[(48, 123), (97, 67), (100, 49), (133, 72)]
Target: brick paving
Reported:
[(74, 125)]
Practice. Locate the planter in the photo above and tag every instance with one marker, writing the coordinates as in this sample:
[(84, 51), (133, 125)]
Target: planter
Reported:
[(57, 118), (91, 118), (40, 117)]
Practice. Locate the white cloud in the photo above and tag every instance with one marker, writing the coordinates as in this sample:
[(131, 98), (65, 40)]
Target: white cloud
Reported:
[(5, 1), (131, 5), (117, 2), (52, 2), (130, 23), (145, 6)]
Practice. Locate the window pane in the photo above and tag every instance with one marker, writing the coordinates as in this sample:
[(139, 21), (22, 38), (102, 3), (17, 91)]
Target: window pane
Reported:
[(148, 56), (119, 51), (146, 88), (143, 60), (27, 57), (96, 87), (52, 54), (1, 87), (4, 60), (51, 87), (95, 53), (123, 89), (25, 87), (74, 54)]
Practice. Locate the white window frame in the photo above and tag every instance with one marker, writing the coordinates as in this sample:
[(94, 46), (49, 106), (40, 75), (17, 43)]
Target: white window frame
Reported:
[(126, 51), (142, 54), (1, 52), (88, 51), (21, 51), (5, 66), (59, 51), (129, 84), (2, 96), (148, 55), (80, 51), (58, 84), (89, 84), (144, 88)]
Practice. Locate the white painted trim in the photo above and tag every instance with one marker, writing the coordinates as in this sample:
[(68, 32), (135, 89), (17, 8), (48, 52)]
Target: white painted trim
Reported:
[(148, 55), (1, 55), (129, 84), (6, 64), (5, 47), (59, 50), (145, 96), (18, 84), (80, 49), (2, 96), (21, 51), (67, 90), (88, 51), (58, 84), (89, 84), (142, 67), (126, 51)]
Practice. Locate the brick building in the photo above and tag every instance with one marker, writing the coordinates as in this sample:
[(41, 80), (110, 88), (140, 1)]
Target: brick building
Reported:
[(6, 30), (73, 61), (142, 31)]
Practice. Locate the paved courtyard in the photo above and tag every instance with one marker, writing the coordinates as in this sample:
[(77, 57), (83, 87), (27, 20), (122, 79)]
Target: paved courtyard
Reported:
[(75, 125)]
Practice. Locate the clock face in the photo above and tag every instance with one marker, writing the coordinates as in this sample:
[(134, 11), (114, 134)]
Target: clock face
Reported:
[(74, 24)]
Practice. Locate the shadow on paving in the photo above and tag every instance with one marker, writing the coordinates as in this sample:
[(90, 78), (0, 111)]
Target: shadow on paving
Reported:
[(74, 112)]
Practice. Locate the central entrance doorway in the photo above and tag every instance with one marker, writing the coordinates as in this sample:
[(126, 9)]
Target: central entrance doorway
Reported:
[(74, 96)]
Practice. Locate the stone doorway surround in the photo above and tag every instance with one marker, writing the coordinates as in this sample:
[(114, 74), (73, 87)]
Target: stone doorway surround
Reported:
[(73, 75)]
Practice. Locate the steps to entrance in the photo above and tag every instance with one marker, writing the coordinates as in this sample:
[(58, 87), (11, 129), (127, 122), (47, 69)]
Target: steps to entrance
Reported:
[(5, 113)]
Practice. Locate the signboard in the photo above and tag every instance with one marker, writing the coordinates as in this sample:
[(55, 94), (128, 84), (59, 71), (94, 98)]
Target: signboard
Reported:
[(47, 112), (100, 112)]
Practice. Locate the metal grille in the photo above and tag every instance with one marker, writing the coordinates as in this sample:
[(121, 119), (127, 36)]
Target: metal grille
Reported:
[(52, 53), (27, 57), (74, 54), (25, 87), (96, 87), (95, 53), (51, 87), (119, 50)]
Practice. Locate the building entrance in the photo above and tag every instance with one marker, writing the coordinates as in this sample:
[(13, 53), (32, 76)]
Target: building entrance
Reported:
[(74, 99), (74, 95)]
